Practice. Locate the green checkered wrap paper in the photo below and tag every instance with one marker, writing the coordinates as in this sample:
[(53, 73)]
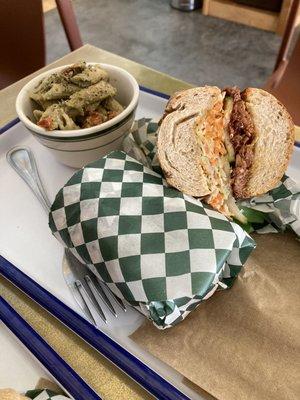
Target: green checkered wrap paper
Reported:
[(281, 206), (160, 250), (44, 394)]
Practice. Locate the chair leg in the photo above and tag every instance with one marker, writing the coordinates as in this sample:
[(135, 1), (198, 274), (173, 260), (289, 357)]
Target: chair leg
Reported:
[(288, 33), (68, 19), (275, 78)]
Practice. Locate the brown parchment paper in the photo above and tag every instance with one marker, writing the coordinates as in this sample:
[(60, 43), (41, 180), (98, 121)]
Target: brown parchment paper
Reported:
[(243, 343)]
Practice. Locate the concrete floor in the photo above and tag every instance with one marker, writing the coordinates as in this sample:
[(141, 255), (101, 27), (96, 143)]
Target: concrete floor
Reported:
[(189, 46)]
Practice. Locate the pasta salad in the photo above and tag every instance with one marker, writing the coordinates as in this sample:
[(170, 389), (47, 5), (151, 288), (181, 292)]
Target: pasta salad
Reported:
[(79, 96)]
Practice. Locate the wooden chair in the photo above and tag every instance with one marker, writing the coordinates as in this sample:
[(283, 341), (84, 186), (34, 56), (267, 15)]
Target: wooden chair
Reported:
[(284, 82), (22, 43)]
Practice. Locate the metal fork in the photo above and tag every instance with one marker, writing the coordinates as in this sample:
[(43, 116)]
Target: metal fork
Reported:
[(87, 290)]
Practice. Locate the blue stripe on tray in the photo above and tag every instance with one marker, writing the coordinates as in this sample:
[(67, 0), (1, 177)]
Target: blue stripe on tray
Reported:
[(9, 125), (131, 365), (154, 92), (60, 370)]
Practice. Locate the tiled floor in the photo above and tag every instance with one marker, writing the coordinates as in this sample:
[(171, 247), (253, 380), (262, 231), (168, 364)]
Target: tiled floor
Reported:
[(189, 46)]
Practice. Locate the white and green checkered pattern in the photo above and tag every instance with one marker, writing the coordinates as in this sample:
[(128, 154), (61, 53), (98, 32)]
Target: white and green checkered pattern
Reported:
[(162, 251), (281, 206), (45, 395)]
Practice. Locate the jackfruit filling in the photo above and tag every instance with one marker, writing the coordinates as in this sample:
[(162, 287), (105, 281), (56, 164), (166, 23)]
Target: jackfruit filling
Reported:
[(242, 136)]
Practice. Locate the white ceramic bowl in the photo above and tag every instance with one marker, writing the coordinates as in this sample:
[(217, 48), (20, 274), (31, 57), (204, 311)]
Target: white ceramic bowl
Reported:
[(81, 146)]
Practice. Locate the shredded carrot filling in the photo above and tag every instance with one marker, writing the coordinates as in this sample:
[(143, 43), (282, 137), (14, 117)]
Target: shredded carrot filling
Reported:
[(216, 201), (213, 131)]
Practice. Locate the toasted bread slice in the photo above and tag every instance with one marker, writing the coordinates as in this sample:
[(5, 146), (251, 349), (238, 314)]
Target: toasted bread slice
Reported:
[(273, 142), (179, 153)]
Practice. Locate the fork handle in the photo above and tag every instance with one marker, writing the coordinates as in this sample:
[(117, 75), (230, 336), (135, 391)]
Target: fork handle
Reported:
[(23, 162)]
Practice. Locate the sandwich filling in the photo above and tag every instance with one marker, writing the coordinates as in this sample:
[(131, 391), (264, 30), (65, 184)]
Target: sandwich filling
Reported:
[(216, 153), (208, 129), (242, 135)]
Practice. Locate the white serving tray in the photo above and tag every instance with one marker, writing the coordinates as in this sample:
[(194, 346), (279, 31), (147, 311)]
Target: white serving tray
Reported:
[(26, 358), (18, 368), (26, 240)]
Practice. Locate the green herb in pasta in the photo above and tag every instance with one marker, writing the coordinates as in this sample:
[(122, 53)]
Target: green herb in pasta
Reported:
[(90, 75), (80, 96), (92, 94)]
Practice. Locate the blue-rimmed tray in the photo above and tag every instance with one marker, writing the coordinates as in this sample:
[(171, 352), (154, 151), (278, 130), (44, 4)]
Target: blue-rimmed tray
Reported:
[(31, 259)]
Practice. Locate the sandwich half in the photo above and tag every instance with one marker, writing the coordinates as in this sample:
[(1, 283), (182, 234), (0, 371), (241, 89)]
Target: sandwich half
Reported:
[(224, 145)]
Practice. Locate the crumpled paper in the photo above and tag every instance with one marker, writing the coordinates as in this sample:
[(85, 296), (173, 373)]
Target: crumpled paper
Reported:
[(281, 207)]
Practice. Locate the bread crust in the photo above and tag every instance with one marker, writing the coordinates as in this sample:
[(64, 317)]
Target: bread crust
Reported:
[(252, 188), (174, 175), (178, 122)]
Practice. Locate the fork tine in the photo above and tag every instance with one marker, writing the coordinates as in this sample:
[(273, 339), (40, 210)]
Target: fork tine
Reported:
[(117, 299), (121, 304), (99, 294), (89, 303)]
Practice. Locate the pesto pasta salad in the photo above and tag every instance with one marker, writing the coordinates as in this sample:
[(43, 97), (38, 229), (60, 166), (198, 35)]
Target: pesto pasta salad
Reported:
[(79, 96)]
